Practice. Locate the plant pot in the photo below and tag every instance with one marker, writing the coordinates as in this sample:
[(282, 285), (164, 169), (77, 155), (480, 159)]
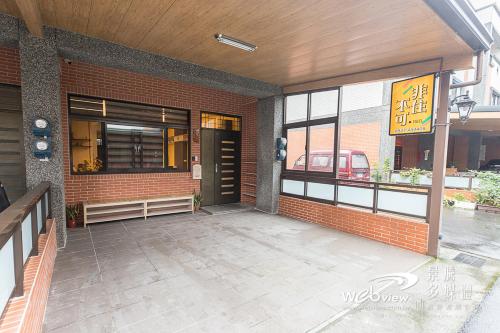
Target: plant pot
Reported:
[(465, 205), (489, 209), (71, 223)]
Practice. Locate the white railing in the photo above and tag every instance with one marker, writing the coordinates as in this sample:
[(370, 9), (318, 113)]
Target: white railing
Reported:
[(401, 199), (20, 226)]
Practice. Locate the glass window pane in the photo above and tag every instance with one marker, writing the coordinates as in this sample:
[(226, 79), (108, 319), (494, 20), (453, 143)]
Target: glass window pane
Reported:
[(178, 158), (86, 106), (296, 108), (324, 104), (86, 146), (228, 123), (342, 162), (134, 147), (296, 149), (126, 111), (293, 187), (359, 161), (321, 143), (320, 191)]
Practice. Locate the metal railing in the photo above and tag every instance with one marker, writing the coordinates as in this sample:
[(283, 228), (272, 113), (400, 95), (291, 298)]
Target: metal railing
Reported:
[(466, 182), (400, 199), (20, 226)]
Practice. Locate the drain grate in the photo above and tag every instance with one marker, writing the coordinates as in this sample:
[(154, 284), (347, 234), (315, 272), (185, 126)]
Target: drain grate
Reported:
[(469, 260)]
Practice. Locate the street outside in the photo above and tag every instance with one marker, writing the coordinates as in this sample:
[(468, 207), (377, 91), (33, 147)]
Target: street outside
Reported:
[(472, 231), (478, 233)]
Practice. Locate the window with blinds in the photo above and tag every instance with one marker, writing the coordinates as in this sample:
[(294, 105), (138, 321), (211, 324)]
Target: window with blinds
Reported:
[(113, 136)]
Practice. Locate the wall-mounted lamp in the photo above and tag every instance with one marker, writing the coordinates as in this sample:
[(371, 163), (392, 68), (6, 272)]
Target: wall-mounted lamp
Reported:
[(465, 105)]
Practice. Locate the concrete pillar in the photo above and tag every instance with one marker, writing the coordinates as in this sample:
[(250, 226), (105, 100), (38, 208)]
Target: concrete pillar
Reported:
[(40, 90), (439, 164), (269, 127)]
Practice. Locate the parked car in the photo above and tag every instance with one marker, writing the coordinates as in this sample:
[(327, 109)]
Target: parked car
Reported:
[(492, 165), (353, 164)]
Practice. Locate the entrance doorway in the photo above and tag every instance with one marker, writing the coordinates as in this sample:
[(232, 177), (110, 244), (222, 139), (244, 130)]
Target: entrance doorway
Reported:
[(220, 159), (12, 166)]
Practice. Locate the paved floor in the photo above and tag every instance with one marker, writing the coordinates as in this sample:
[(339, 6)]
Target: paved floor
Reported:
[(447, 293), (242, 272), (226, 208), (472, 231)]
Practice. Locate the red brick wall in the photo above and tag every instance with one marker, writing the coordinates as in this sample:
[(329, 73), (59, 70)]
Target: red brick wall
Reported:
[(10, 71), (364, 137), (400, 232), (35, 311), (26, 313), (91, 80)]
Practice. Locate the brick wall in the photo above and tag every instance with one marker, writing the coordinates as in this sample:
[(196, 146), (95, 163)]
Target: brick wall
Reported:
[(405, 233), (10, 71), (364, 137), (91, 80), (26, 313)]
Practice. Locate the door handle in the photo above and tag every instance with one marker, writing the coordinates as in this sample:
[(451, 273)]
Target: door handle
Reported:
[(215, 167)]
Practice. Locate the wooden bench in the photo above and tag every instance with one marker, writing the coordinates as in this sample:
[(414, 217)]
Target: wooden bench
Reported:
[(105, 211)]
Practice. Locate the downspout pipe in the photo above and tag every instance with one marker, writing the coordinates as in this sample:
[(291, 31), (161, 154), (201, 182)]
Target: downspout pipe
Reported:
[(479, 73)]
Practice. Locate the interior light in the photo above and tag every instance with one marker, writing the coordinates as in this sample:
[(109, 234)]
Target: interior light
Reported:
[(235, 42)]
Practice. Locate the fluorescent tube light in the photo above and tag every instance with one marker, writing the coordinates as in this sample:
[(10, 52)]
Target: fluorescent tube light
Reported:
[(235, 42)]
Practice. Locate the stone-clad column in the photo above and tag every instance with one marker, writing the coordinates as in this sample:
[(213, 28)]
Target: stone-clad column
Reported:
[(40, 88), (269, 127)]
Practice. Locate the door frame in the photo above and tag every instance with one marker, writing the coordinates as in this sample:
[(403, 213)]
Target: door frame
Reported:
[(215, 129)]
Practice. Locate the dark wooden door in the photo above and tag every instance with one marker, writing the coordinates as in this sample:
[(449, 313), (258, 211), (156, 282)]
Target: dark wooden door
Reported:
[(221, 166), (12, 167), (227, 166)]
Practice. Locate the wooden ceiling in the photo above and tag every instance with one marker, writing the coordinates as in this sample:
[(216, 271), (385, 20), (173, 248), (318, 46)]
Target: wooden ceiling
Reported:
[(298, 41)]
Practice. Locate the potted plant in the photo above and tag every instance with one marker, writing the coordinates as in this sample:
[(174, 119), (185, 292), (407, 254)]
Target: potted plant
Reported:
[(197, 200), (72, 212)]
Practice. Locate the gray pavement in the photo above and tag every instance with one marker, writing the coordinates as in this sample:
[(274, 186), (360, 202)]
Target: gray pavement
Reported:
[(478, 233), (486, 318), (442, 300), (241, 272), (472, 231)]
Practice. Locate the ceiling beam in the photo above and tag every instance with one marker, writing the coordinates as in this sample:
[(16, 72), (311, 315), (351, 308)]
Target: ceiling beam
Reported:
[(30, 13)]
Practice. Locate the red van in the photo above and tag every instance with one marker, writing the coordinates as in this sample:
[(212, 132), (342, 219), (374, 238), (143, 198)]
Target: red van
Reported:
[(353, 164)]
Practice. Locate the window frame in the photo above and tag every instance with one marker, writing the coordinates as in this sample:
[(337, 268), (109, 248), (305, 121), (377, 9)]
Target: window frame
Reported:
[(105, 121), (495, 96), (307, 175)]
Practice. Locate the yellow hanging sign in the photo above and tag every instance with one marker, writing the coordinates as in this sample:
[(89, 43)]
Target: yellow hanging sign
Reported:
[(412, 105)]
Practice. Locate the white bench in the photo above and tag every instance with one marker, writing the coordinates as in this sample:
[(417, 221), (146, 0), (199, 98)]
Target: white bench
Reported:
[(105, 211)]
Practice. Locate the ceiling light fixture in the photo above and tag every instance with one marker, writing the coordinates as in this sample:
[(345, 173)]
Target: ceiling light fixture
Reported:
[(235, 42)]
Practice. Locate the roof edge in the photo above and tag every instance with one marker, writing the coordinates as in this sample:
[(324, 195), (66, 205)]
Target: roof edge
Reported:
[(461, 17)]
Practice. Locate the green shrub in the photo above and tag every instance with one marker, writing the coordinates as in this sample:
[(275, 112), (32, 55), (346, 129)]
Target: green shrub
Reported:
[(413, 174), (488, 192), (387, 169), (376, 174), (460, 197)]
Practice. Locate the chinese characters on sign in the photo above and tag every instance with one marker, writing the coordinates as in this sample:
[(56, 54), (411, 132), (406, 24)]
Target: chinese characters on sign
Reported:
[(412, 105)]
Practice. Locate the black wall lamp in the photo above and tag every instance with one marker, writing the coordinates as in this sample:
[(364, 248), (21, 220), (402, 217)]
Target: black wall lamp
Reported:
[(465, 105)]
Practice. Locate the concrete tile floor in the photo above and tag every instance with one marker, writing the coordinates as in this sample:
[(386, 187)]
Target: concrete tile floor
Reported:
[(241, 272)]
